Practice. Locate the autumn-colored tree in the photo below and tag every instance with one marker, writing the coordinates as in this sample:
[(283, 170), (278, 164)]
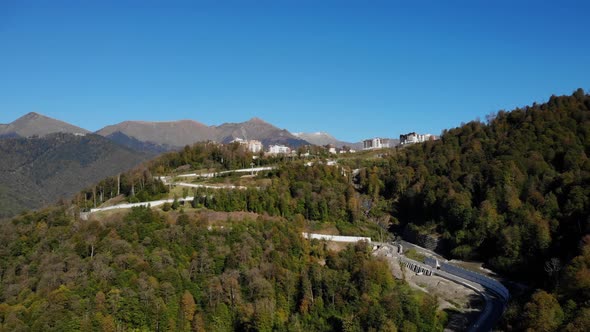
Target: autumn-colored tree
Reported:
[(543, 313), (187, 309), (108, 324)]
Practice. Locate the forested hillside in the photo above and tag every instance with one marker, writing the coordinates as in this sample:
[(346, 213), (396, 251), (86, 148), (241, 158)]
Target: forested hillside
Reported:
[(318, 193), (149, 270), (508, 190), (39, 171), (514, 192)]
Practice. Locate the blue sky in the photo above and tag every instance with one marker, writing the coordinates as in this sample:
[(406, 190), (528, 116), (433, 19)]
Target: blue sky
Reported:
[(355, 69)]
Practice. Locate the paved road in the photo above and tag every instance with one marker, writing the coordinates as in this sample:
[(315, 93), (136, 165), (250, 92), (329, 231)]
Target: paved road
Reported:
[(214, 174), (209, 186), (132, 205), (494, 302), (165, 180)]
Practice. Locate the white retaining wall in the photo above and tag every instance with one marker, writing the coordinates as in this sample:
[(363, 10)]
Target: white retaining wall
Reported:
[(131, 205), (336, 238)]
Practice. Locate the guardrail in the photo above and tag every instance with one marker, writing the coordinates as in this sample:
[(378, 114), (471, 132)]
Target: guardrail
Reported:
[(415, 266), (454, 273), (488, 282)]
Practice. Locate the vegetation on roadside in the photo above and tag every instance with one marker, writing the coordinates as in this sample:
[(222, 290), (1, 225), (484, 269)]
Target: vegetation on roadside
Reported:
[(413, 254)]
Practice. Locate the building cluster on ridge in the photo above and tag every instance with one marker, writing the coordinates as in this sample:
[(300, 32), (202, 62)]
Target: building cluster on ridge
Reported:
[(374, 143), (252, 145), (255, 146), (413, 137)]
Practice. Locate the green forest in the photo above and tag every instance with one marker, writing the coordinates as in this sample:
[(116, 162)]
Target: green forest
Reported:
[(515, 193), (146, 270)]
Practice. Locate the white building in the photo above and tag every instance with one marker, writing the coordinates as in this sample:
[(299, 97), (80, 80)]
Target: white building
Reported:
[(279, 149), (375, 143), (255, 146), (412, 138)]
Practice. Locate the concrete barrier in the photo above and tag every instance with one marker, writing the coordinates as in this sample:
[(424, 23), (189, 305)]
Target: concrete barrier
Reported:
[(336, 238)]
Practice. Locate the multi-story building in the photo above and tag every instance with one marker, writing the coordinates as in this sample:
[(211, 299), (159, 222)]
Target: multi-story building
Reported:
[(412, 138), (375, 143), (253, 146), (279, 149)]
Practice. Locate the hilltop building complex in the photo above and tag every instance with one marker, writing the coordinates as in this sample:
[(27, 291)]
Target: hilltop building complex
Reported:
[(412, 138), (375, 143), (253, 146)]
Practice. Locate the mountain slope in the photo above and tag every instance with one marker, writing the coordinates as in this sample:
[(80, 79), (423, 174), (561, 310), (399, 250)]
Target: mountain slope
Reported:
[(161, 136), (168, 134), (257, 129), (514, 193), (138, 145), (321, 139), (39, 171), (34, 124)]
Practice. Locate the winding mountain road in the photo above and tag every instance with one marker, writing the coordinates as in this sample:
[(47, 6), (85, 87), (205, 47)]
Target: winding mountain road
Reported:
[(494, 294), (214, 174)]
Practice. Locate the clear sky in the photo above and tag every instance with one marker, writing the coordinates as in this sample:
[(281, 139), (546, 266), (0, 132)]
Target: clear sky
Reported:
[(355, 69)]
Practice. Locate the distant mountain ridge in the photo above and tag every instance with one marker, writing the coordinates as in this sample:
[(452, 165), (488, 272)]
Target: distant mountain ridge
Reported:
[(172, 134), (321, 138), (35, 124), (176, 134), (257, 129), (158, 137)]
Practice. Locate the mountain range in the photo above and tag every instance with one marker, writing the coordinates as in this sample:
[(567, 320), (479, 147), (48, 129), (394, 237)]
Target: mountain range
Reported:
[(176, 134), (156, 137)]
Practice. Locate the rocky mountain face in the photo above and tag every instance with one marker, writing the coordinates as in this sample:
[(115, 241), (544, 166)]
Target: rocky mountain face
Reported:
[(34, 124)]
